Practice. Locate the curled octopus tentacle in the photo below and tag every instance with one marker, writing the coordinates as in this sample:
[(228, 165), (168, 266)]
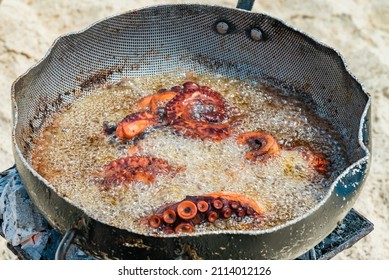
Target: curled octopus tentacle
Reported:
[(198, 112), (135, 124), (317, 160), (183, 216), (135, 169), (262, 145), (191, 110)]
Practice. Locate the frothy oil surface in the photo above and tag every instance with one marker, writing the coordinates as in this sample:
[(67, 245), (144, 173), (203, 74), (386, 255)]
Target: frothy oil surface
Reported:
[(72, 149)]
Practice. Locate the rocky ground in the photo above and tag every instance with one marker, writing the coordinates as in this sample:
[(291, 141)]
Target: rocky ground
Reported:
[(358, 29)]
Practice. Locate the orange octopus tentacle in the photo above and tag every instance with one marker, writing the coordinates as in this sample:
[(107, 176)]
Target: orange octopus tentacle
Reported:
[(262, 145), (318, 160), (143, 104), (198, 112), (194, 210), (191, 110), (135, 124), (153, 101), (207, 107)]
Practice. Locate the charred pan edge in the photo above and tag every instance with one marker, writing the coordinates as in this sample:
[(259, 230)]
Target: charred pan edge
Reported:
[(362, 129), (100, 77)]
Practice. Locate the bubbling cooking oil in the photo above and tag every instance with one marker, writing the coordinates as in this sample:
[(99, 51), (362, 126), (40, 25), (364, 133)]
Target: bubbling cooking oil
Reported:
[(72, 149)]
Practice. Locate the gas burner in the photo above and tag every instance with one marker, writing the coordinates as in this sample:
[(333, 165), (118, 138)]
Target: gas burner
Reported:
[(30, 236)]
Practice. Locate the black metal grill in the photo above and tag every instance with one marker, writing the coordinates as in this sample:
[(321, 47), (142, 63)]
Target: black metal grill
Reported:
[(352, 228)]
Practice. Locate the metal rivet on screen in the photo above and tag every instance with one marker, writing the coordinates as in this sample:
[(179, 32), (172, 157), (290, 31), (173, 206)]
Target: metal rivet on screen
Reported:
[(222, 27), (256, 34)]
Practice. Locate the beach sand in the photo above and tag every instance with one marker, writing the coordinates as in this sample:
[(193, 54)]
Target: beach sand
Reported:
[(358, 29)]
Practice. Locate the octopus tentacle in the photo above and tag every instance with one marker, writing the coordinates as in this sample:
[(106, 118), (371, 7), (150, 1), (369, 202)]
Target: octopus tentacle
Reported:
[(135, 169), (184, 215), (198, 112), (192, 110), (135, 124), (208, 107), (262, 145), (154, 101), (317, 160)]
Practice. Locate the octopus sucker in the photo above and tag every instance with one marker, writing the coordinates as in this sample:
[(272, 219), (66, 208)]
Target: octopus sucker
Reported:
[(133, 169), (184, 215), (202, 206), (212, 216), (155, 221), (135, 124), (169, 216), (186, 210), (184, 228), (262, 145)]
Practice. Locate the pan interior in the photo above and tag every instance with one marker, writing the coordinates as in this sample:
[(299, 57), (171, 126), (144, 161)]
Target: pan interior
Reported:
[(73, 149)]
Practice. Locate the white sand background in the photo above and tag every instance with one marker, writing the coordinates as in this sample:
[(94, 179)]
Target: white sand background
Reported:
[(358, 29)]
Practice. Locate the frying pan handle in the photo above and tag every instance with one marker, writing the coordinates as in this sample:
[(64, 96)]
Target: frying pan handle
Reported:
[(245, 4), (64, 245)]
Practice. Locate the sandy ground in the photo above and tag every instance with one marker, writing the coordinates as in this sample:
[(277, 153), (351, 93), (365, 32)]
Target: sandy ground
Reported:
[(358, 29)]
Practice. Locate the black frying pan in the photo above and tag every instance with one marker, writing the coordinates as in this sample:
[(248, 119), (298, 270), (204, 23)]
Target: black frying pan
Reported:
[(230, 42)]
